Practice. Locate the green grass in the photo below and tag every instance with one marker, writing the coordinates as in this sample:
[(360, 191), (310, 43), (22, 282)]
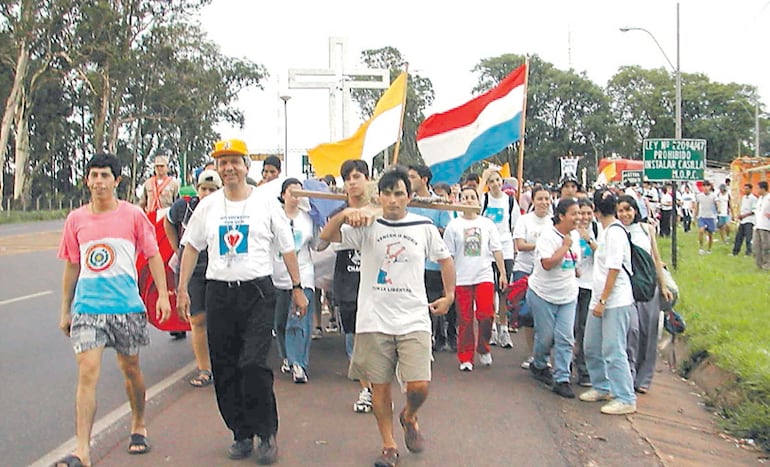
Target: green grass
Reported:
[(14, 217), (726, 303)]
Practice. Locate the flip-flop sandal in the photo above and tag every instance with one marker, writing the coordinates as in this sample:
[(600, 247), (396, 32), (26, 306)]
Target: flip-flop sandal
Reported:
[(70, 460), (139, 441), (203, 379)]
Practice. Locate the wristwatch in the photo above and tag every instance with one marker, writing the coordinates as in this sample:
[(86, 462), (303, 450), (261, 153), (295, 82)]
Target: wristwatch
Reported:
[(296, 286)]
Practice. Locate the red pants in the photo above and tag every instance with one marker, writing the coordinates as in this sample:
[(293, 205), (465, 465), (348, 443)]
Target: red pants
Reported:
[(483, 297)]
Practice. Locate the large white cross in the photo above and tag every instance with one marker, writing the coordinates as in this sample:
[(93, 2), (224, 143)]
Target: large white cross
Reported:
[(339, 81)]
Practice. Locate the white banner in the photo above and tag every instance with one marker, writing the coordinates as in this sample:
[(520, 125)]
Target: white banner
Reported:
[(569, 166)]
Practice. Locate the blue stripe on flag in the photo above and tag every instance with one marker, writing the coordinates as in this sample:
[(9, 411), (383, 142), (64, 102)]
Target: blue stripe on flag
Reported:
[(107, 295), (487, 144)]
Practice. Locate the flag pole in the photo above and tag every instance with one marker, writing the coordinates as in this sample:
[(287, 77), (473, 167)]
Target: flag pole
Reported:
[(403, 111), (520, 162)]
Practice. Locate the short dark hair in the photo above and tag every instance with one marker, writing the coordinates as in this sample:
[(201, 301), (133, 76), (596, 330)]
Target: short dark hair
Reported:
[(474, 177), (330, 180), (285, 185), (631, 201), (762, 185), (748, 185), (104, 160), (390, 179), (561, 209), (606, 201), (354, 164), (442, 186), (274, 161), (423, 171), (583, 202)]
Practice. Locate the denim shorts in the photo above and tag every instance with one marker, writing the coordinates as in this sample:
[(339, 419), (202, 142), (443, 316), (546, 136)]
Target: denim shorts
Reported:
[(707, 223), (126, 333)]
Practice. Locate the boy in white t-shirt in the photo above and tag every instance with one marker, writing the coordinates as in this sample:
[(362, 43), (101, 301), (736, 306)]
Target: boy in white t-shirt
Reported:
[(474, 242)]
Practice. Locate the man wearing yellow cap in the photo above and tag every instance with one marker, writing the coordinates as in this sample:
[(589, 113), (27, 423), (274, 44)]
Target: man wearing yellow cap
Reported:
[(238, 226), (160, 190)]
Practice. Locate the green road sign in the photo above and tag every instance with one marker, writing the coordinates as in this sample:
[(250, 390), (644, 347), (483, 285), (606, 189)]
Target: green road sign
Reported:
[(674, 159)]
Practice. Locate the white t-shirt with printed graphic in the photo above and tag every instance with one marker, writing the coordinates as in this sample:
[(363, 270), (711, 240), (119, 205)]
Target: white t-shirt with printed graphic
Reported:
[(472, 243), (239, 235), (557, 285), (302, 231), (529, 227), (497, 211), (391, 294)]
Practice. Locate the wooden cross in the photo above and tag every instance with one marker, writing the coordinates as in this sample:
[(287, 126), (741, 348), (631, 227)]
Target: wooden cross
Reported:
[(414, 202), (338, 80)]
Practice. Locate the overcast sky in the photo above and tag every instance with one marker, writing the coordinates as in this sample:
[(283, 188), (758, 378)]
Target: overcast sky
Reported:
[(725, 40)]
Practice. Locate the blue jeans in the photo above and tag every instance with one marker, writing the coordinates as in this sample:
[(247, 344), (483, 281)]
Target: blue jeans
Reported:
[(298, 332), (554, 326), (282, 303), (605, 351)]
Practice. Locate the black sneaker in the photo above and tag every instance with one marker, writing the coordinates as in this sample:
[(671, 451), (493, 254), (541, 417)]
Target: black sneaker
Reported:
[(584, 381), (241, 449), (564, 390), (541, 374), (267, 451)]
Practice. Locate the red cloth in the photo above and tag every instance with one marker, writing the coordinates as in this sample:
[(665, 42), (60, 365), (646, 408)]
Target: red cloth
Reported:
[(147, 289), (468, 343)]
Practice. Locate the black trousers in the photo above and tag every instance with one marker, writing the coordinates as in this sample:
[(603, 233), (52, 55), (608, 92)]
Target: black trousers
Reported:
[(665, 222), (584, 299), (240, 322), (444, 327), (745, 231)]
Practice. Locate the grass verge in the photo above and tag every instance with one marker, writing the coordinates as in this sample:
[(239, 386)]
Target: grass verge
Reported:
[(725, 301), (14, 217)]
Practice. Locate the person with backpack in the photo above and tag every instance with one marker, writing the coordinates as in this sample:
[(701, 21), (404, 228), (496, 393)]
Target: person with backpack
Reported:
[(611, 310), (503, 211), (174, 224), (643, 332)]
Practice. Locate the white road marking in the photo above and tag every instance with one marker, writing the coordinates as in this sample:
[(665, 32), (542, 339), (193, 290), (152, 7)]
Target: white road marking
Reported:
[(111, 418), (25, 297)]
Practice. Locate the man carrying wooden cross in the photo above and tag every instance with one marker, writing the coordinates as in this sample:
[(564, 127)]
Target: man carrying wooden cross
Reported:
[(392, 329)]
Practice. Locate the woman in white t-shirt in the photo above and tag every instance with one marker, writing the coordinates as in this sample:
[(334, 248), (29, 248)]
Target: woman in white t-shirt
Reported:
[(293, 331), (552, 296), (525, 234), (473, 242), (610, 312), (643, 332)]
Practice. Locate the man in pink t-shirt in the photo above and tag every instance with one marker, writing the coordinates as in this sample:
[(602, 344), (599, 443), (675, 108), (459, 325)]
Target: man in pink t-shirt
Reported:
[(101, 306)]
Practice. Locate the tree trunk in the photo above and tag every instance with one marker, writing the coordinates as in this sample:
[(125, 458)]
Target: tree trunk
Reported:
[(12, 105), (100, 119), (21, 188)]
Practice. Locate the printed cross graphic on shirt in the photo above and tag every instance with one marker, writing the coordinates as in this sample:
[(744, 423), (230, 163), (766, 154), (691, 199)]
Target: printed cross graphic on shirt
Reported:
[(393, 254)]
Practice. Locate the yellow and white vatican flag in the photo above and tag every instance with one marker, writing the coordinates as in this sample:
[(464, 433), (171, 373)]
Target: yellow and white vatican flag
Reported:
[(372, 137)]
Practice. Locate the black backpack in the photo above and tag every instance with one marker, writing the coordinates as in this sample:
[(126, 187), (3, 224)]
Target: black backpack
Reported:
[(511, 204), (644, 279)]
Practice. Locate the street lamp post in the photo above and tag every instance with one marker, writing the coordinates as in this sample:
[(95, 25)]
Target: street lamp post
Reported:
[(285, 98), (678, 128)]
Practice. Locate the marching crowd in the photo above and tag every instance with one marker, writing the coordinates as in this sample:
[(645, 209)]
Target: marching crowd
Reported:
[(553, 263)]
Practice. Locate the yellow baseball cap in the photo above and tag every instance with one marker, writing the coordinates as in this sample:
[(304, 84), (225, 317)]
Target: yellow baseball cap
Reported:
[(229, 147)]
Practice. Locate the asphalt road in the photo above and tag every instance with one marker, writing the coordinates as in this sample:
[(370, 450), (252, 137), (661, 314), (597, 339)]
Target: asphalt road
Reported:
[(37, 361)]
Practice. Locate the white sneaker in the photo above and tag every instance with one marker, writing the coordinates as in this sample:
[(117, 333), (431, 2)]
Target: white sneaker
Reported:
[(485, 359), (364, 402), (615, 407), (505, 339), (525, 363), (285, 368), (317, 334), (298, 374), (701, 251), (592, 395), (466, 366), (493, 339)]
